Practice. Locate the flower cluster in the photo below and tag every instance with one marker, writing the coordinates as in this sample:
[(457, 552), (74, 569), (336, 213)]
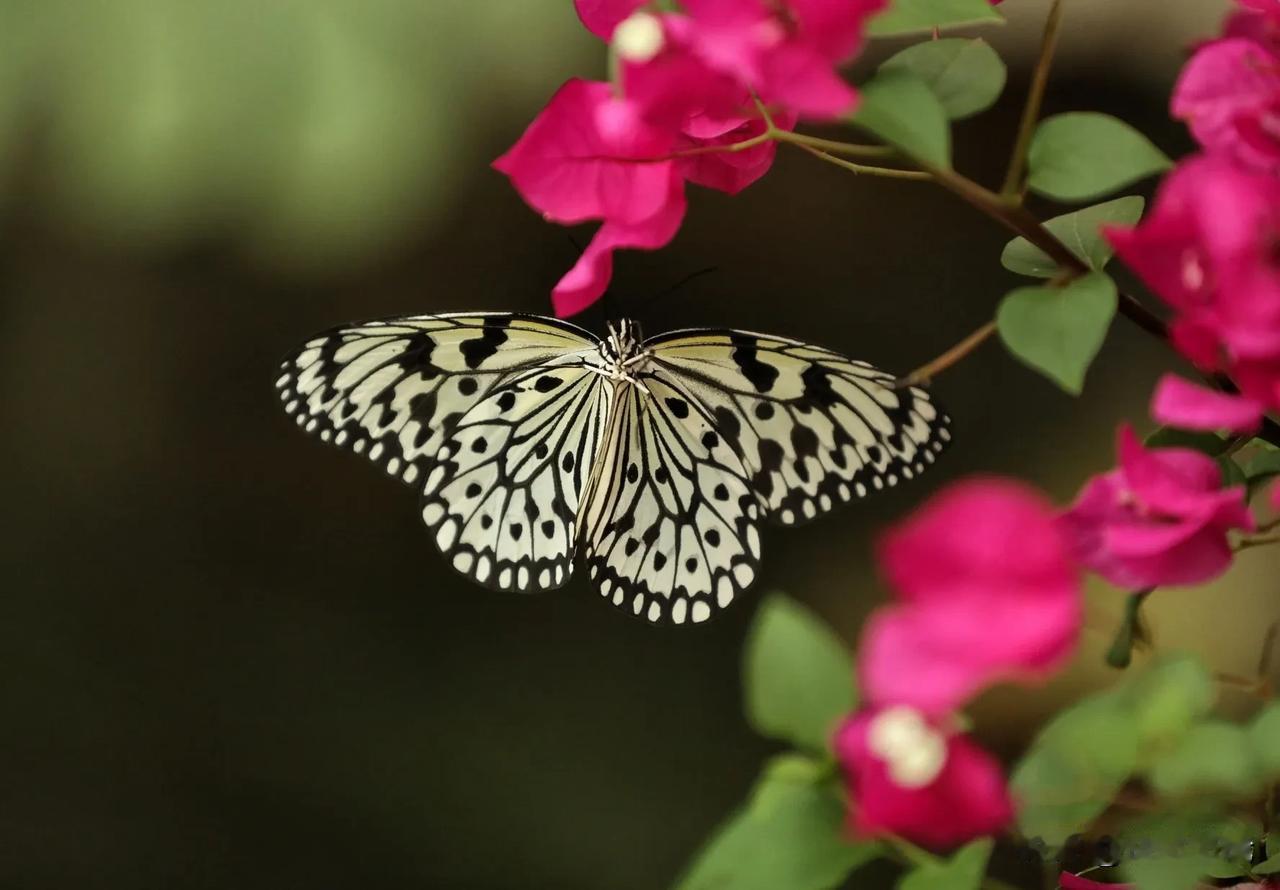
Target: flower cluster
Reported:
[(988, 580), (1160, 518), (988, 592), (1211, 246), (694, 98), (1211, 249)]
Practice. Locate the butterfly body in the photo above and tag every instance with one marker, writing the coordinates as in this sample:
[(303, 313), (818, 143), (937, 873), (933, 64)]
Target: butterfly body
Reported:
[(655, 462)]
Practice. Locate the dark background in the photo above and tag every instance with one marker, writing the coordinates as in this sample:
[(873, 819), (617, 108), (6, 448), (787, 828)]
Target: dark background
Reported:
[(231, 656)]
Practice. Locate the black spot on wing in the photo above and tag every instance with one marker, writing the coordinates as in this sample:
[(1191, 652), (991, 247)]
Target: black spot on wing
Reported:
[(771, 455), (678, 407), (728, 425), (417, 356), (817, 386), (494, 334), (747, 358), (804, 441)]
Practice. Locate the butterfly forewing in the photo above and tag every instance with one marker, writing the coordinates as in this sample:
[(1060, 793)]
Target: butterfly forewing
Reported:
[(812, 428), (503, 495), (391, 389), (671, 528)]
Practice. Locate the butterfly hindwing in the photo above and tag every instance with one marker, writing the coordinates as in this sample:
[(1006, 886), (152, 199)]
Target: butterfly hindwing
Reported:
[(813, 428), (503, 495), (672, 526)]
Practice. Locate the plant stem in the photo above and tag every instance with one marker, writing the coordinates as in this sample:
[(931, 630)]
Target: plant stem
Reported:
[(833, 146), (1020, 221), (1257, 541), (1268, 649), (922, 375), (731, 148), (1131, 631), (1031, 110), (887, 172)]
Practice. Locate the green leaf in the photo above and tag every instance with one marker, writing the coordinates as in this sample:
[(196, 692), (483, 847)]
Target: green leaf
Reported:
[(900, 108), (1264, 738), (790, 835), (963, 871), (1079, 761), (1168, 699), (1082, 155), (908, 16), (1074, 768), (1080, 231), (798, 675), (1269, 866), (1231, 472), (1171, 437), (1059, 330), (967, 76), (1212, 758), (1174, 851), (1261, 469)]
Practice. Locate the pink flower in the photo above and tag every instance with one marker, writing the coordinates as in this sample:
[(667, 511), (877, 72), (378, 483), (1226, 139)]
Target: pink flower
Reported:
[(1256, 20), (586, 281), (1068, 881), (1208, 248), (1161, 518), (588, 155), (1229, 95), (729, 172), (601, 16), (785, 51), (1189, 406), (989, 592), (910, 778)]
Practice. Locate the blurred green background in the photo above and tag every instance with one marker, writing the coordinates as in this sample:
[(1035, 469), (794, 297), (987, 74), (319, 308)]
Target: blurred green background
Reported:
[(231, 656)]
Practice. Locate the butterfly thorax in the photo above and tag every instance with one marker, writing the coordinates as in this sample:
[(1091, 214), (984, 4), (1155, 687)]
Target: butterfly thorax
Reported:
[(623, 352)]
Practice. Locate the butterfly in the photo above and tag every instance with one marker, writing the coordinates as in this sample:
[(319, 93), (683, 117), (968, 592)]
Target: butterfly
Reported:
[(533, 443)]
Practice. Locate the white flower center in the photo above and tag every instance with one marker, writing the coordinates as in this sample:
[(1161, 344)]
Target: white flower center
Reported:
[(638, 38), (914, 752), (1192, 271)]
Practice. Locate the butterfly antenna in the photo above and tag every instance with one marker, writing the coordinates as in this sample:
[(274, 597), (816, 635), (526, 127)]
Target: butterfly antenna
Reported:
[(577, 245), (692, 276)]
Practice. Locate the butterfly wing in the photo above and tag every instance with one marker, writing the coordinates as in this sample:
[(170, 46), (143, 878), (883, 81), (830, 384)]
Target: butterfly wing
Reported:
[(495, 417), (503, 496), (671, 527), (391, 389), (813, 428)]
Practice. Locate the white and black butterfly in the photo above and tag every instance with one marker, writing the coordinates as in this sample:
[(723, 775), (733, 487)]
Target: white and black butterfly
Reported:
[(533, 442)]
